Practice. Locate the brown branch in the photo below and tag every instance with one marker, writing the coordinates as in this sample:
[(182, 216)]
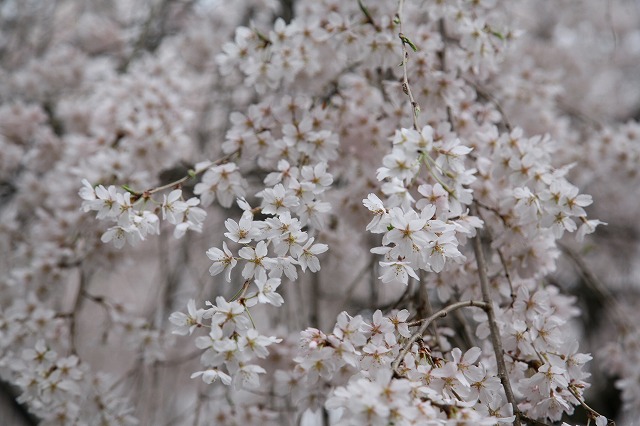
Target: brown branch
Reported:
[(590, 410), (426, 322), (493, 325)]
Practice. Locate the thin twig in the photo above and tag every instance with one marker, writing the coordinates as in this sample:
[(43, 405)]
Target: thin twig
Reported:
[(369, 18), (361, 273), (586, 406), (190, 175), (426, 322), (579, 115), (406, 88), (77, 305), (494, 211), (507, 275), (493, 325), (486, 94), (193, 174)]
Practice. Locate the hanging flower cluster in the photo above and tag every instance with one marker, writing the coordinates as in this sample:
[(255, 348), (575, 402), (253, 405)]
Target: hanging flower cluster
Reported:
[(328, 212)]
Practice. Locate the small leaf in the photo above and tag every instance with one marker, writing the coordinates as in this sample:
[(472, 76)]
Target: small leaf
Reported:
[(128, 189), (495, 33), (363, 8), (405, 40)]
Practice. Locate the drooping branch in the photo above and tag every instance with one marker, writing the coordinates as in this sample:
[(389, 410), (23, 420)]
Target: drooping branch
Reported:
[(496, 341)]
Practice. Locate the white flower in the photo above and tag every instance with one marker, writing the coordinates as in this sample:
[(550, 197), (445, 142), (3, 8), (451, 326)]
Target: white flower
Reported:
[(407, 231), (398, 165), (397, 272), (254, 256), (266, 291), (285, 173), (308, 257), (318, 176), (284, 265), (192, 218), (242, 232), (247, 375), (211, 375), (464, 362), (276, 200), (229, 315), (119, 235), (106, 204), (186, 323), (222, 261), (587, 227), (224, 182), (146, 223), (547, 378), (350, 329), (88, 194), (172, 206), (41, 354), (399, 321), (434, 195), (380, 219), (255, 343)]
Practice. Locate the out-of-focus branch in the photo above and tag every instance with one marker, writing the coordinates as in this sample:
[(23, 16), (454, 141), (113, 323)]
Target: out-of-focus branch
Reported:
[(151, 35)]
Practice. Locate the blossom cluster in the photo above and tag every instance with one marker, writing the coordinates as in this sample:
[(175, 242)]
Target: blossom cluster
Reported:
[(426, 390), (397, 179), (423, 237), (231, 341), (58, 389)]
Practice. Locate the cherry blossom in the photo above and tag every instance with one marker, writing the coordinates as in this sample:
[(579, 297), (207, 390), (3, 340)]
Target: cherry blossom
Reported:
[(410, 212)]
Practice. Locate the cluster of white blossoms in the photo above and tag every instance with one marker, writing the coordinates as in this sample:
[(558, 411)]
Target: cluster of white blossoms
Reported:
[(427, 389), (400, 180), (232, 341), (269, 249), (422, 234), (133, 221), (61, 389)]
